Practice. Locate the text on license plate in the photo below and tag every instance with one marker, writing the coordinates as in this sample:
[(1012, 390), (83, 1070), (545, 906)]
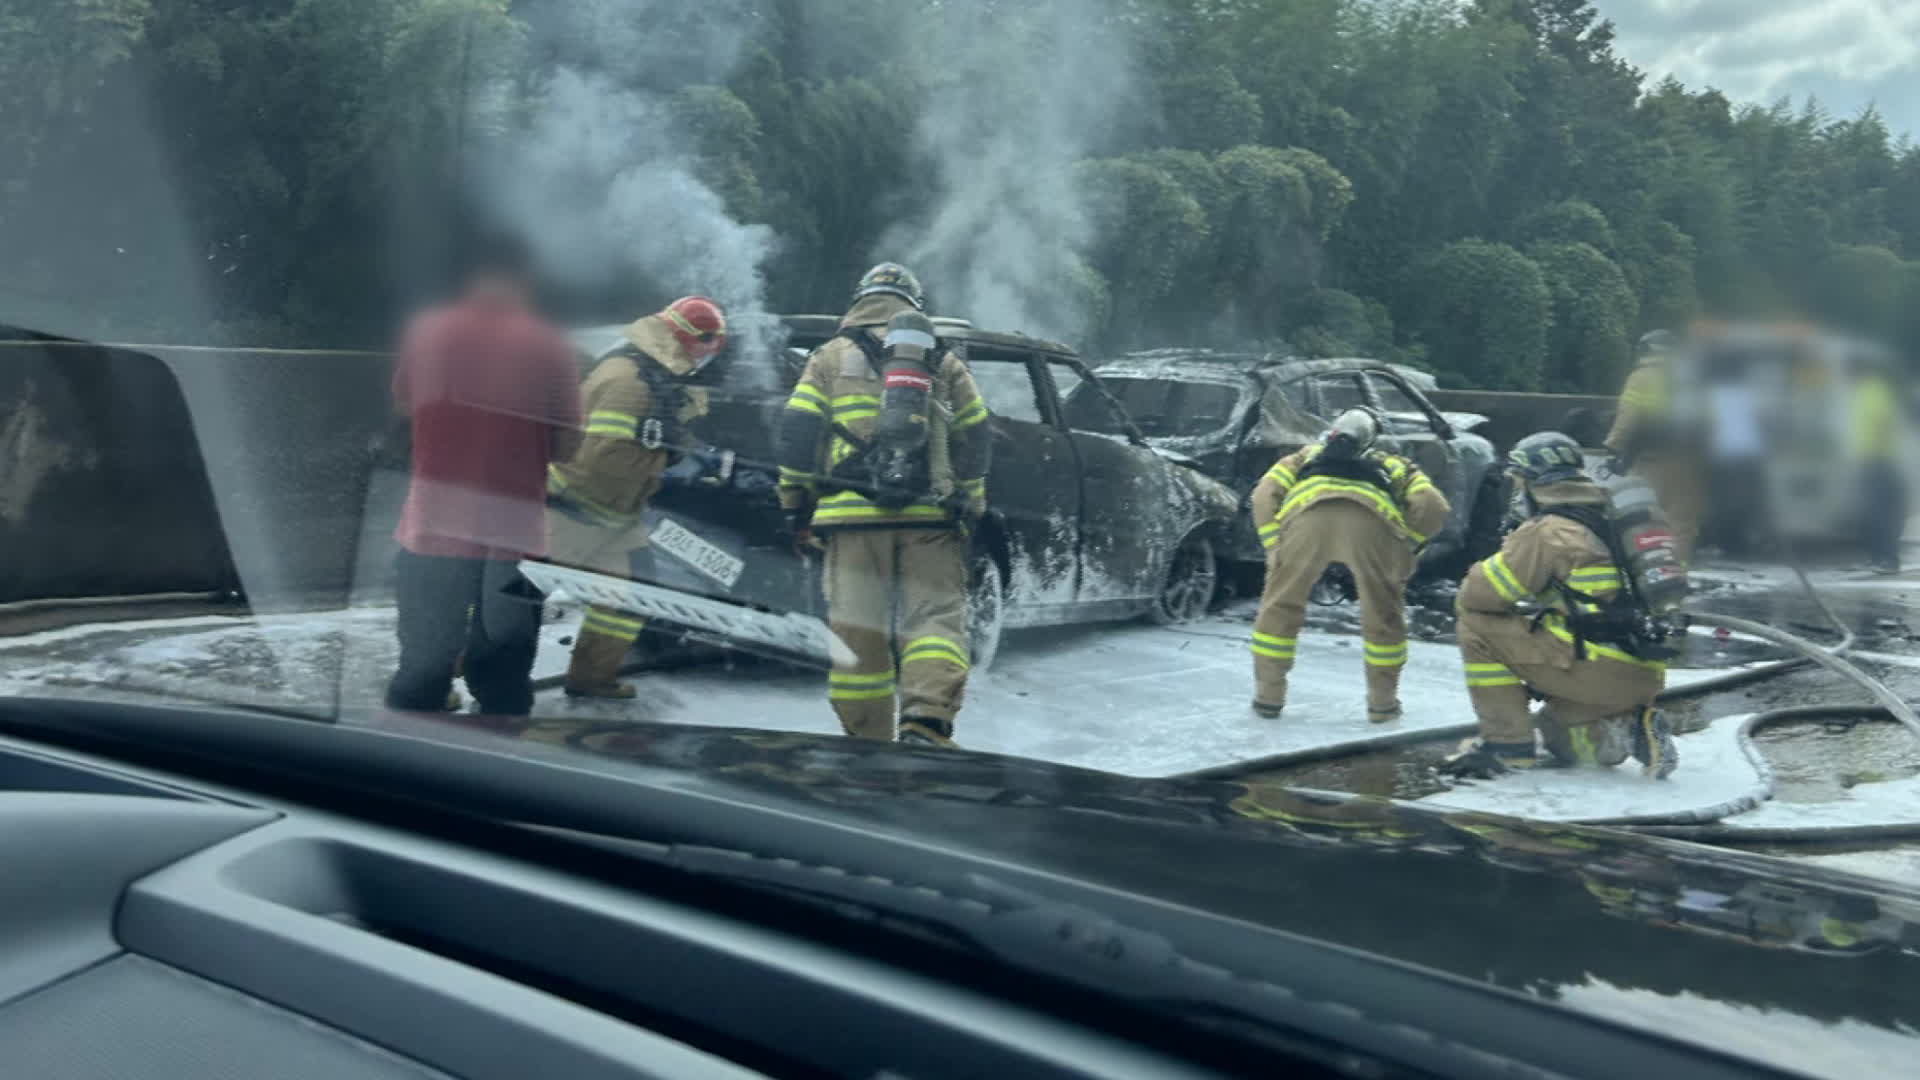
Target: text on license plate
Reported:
[(677, 540)]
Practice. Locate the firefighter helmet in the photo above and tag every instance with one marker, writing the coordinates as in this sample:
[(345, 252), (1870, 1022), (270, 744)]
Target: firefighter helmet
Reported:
[(1353, 433), (1547, 457), (698, 325), (893, 279), (1654, 342)]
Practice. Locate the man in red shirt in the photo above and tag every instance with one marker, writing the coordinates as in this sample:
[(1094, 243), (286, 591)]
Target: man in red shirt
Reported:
[(493, 396)]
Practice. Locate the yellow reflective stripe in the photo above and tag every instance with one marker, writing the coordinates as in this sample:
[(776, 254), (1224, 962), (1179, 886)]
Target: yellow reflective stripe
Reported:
[(611, 625), (1556, 625), (795, 476), (1281, 475), (848, 400), (1419, 485), (1502, 579), (1319, 485), (848, 416), (1270, 533), (935, 648), (1268, 645), (971, 415), (1386, 655), (827, 514), (619, 425), (1595, 575), (809, 392), (861, 678), (1490, 674), (800, 404), (877, 693)]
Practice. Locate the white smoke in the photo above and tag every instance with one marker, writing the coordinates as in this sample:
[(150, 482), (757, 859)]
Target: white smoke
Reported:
[(600, 177), (1019, 97)]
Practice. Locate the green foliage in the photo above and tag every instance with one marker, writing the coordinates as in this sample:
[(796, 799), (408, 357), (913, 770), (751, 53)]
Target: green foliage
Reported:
[(1482, 311), (1590, 347), (1861, 289), (1329, 172)]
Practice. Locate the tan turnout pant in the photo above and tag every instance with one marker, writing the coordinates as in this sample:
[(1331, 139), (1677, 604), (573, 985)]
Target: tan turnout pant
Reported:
[(1505, 655), (1679, 481), (1381, 560), (898, 598), (605, 635)]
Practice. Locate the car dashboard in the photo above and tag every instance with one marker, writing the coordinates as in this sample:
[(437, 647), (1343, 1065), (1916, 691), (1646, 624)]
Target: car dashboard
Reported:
[(155, 926)]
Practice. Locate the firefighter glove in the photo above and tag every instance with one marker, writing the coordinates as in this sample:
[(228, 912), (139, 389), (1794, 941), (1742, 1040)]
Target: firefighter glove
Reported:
[(796, 531)]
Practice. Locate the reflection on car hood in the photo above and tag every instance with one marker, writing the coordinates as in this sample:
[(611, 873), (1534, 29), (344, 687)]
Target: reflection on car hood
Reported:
[(1807, 967)]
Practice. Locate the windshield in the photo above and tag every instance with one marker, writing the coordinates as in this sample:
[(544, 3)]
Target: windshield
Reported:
[(661, 365), (1160, 408)]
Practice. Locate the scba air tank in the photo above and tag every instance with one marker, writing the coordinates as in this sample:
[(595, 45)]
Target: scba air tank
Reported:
[(1646, 540)]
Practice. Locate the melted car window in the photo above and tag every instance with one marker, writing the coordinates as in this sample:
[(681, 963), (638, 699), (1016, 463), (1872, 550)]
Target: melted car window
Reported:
[(1005, 381)]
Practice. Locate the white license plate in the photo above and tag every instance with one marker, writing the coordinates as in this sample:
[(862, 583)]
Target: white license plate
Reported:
[(677, 540)]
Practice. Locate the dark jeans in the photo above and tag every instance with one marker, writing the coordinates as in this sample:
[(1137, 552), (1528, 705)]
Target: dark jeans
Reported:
[(1738, 516), (1885, 494), (435, 595)]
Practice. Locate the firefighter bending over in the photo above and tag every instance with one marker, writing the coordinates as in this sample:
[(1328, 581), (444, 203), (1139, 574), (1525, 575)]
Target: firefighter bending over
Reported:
[(1644, 440), (1343, 501), (638, 402), (1552, 614), (883, 452)]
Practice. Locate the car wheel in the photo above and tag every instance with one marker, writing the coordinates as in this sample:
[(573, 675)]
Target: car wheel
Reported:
[(1193, 577), (986, 609)]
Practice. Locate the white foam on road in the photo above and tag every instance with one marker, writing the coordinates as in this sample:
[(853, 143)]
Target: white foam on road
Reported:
[(1714, 771), (1126, 698)]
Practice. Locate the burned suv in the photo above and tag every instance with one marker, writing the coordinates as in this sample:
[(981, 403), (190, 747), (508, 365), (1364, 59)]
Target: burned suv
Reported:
[(1235, 414), (1083, 524)]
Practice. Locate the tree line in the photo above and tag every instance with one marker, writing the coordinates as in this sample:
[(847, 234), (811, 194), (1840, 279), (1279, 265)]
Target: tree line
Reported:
[(1486, 189)]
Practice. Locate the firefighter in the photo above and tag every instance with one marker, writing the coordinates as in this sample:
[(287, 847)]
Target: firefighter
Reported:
[(1524, 624), (883, 453), (1644, 440), (1341, 500), (638, 401), (1876, 423)]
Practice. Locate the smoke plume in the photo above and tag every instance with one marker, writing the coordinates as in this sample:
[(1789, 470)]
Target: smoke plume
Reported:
[(600, 176), (1021, 93)]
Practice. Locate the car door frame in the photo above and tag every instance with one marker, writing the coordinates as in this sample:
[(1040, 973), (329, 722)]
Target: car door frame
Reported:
[(1030, 550), (1139, 583), (1452, 482)]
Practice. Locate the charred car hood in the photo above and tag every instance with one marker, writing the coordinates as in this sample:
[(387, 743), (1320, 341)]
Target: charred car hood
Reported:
[(1804, 967)]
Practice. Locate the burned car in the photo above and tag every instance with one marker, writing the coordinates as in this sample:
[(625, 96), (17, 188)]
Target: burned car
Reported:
[(1086, 522), (1235, 414)]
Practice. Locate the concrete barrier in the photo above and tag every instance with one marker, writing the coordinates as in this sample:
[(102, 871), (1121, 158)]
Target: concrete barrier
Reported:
[(103, 491)]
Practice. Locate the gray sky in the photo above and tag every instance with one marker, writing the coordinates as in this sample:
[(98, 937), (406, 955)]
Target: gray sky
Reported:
[(1845, 52)]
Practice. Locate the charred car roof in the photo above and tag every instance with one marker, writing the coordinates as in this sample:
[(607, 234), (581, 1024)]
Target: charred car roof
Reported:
[(1195, 363)]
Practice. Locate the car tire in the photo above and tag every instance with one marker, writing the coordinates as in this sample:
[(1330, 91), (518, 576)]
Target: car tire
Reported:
[(986, 609), (1192, 582)]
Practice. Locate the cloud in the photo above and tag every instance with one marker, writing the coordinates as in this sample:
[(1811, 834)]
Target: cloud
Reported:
[(1849, 53)]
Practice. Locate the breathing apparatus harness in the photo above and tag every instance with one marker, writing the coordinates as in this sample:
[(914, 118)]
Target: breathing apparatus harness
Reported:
[(894, 467), (1627, 620)]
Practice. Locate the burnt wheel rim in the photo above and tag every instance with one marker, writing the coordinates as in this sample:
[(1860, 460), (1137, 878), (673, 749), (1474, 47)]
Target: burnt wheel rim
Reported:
[(1190, 581)]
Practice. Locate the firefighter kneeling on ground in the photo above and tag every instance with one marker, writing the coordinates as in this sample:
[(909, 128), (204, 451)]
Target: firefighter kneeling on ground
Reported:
[(1342, 501), (1532, 622), (638, 401), (883, 452)]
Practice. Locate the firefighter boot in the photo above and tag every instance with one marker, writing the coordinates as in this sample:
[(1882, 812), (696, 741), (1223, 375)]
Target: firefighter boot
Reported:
[(1653, 743), (925, 731), (593, 670), (1605, 742)]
